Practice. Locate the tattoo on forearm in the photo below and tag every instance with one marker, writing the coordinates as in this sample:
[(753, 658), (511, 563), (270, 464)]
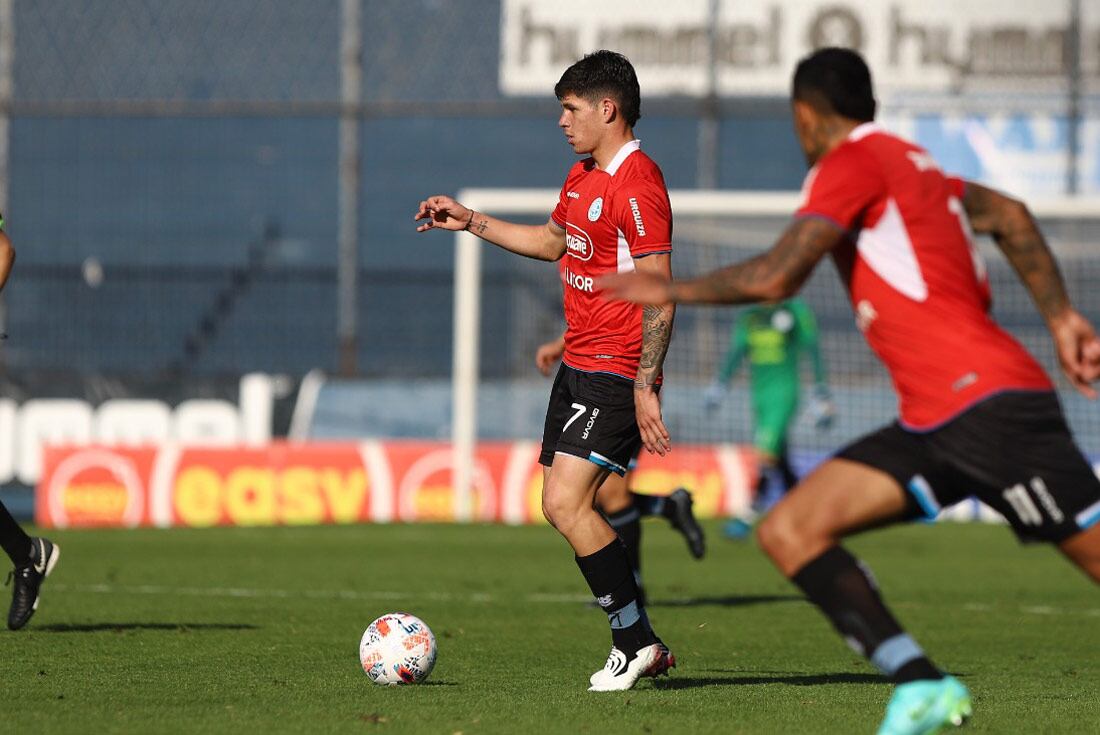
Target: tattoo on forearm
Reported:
[(784, 268), (1018, 236), (1026, 249), (656, 334), (478, 226)]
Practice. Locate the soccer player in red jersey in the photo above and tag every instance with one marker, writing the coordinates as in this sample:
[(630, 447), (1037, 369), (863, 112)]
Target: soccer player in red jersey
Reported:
[(612, 216), (978, 415)]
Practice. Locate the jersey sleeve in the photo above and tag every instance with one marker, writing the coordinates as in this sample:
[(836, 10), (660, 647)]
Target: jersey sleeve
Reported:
[(841, 187), (562, 209), (957, 186), (643, 215)]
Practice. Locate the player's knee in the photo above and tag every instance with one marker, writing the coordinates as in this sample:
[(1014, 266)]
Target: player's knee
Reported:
[(559, 507), (778, 536)]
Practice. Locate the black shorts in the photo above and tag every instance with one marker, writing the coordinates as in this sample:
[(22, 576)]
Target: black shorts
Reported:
[(1013, 451), (591, 416)]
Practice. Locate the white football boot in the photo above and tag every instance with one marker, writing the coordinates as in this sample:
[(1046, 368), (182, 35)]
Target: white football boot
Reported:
[(618, 674)]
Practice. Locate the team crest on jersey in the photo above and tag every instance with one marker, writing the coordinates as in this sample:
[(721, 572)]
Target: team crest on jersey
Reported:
[(595, 210)]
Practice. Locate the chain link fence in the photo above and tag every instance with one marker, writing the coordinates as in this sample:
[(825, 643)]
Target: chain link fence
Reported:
[(173, 168)]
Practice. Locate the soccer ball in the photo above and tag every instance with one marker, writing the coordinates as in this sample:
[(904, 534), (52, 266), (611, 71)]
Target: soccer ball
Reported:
[(397, 649)]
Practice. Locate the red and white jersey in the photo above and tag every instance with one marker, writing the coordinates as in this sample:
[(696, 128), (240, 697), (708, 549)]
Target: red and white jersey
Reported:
[(610, 217), (917, 283)]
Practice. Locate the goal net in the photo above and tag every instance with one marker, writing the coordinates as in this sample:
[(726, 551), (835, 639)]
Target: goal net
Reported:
[(506, 306)]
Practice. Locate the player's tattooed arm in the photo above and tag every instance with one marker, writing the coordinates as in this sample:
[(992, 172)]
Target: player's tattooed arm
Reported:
[(543, 242), (656, 334), (1014, 230), (1017, 235), (656, 323), (770, 276)]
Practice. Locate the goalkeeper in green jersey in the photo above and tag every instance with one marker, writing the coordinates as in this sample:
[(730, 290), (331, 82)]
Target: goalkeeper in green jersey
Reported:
[(773, 337)]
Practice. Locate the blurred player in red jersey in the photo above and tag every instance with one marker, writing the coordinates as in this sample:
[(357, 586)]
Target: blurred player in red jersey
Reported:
[(33, 557), (612, 216), (978, 415)]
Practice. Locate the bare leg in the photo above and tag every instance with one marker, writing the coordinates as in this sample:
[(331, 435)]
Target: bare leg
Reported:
[(1083, 549), (801, 534)]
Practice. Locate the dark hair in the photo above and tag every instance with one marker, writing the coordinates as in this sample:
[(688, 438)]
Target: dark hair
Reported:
[(604, 74), (836, 80)]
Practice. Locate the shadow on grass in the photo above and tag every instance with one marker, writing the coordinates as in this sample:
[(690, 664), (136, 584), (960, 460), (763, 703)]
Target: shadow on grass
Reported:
[(727, 601), (801, 680), (123, 627)]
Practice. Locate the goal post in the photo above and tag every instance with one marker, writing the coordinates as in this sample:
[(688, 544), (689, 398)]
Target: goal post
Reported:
[(714, 228)]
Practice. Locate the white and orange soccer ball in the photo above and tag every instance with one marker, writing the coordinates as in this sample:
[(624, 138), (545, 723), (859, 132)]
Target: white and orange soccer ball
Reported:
[(397, 648)]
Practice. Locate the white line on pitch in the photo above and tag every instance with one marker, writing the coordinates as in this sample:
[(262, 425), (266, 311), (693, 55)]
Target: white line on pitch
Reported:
[(475, 597), (152, 589)]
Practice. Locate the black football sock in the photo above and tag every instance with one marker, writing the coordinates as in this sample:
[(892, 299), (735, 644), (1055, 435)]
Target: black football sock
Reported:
[(649, 505), (15, 542), (611, 580), (790, 479), (845, 591), (628, 524)]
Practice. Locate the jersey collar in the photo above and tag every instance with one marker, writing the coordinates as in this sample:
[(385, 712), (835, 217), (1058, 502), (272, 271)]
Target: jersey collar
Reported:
[(862, 131), (621, 156)]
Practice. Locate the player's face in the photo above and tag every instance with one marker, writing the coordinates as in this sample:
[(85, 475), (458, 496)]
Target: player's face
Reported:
[(582, 123)]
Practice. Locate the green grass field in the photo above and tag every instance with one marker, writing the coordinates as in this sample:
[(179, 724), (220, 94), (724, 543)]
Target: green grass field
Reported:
[(257, 630)]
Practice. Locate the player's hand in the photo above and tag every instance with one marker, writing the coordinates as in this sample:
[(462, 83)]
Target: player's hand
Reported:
[(647, 408), (1078, 350), (713, 395), (442, 213), (639, 288), (547, 354)]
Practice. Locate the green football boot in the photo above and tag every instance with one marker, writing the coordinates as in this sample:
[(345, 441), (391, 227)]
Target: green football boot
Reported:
[(926, 707)]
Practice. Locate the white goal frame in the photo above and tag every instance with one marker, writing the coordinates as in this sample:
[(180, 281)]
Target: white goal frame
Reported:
[(505, 202)]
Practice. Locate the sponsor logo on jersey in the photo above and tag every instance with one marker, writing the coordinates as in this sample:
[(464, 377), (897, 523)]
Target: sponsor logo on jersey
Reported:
[(595, 209), (577, 242), (637, 217), (581, 283), (572, 195), (965, 381)]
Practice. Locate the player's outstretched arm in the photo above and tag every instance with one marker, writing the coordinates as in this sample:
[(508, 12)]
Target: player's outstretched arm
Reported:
[(1014, 230), (543, 242), (656, 335), (771, 276)]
